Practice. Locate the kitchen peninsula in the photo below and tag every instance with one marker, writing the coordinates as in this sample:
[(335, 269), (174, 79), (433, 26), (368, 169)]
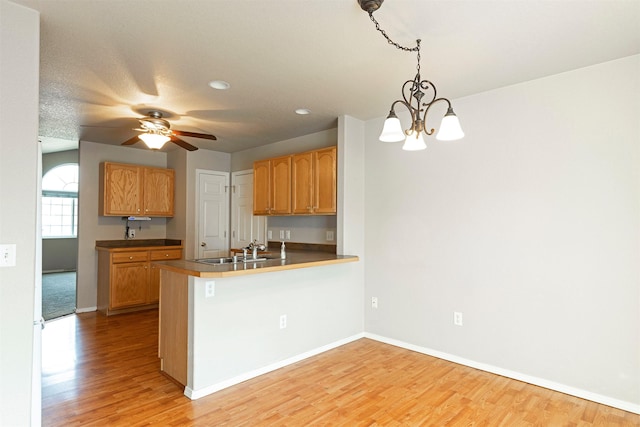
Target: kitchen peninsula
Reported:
[(221, 324)]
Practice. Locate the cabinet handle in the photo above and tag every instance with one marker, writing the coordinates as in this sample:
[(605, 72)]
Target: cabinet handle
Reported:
[(166, 254), (130, 257)]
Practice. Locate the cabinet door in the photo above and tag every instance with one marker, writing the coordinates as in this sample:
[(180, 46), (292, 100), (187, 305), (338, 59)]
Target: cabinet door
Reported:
[(129, 284), (122, 189), (302, 182), (158, 192), (325, 185), (261, 187), (281, 186)]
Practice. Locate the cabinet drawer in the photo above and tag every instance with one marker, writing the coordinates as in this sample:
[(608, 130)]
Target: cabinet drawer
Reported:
[(166, 254), (138, 256)]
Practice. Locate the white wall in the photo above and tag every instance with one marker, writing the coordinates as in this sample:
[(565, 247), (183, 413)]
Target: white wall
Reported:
[(19, 184), (529, 226)]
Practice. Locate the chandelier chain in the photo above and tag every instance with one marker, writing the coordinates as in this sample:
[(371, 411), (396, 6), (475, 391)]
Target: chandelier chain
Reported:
[(398, 46), (407, 49)]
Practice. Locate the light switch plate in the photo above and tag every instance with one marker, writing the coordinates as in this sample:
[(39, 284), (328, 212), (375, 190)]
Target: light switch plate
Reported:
[(8, 255)]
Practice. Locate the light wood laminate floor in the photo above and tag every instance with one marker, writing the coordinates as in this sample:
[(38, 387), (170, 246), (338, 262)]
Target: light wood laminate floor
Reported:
[(100, 371)]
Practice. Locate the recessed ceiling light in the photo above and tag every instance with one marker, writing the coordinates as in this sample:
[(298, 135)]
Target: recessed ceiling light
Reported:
[(219, 84), (303, 111)]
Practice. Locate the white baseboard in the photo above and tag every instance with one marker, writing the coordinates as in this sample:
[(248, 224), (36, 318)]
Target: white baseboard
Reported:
[(86, 309), (551, 385), (197, 394)]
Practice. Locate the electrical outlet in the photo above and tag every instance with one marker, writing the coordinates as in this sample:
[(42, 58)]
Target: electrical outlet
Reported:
[(283, 321), (281, 234), (330, 236), (374, 302), (210, 289), (132, 233), (457, 318), (288, 234)]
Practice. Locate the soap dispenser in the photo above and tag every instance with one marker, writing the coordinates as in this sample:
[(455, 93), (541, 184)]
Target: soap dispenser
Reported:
[(283, 251)]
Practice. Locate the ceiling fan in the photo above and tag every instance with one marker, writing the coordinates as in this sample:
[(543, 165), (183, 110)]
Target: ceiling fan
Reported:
[(157, 131)]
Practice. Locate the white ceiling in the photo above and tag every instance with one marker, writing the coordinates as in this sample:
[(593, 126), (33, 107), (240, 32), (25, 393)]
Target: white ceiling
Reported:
[(106, 62)]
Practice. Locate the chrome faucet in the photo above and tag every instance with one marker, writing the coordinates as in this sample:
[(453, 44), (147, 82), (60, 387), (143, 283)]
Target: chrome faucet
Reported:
[(254, 247)]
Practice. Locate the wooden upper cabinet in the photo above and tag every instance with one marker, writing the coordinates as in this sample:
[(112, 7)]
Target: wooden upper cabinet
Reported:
[(121, 189), (261, 187), (158, 191), (314, 182), (136, 190), (281, 185), (272, 186), (302, 183), (325, 181)]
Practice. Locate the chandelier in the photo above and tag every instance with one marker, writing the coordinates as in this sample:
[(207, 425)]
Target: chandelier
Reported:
[(413, 93)]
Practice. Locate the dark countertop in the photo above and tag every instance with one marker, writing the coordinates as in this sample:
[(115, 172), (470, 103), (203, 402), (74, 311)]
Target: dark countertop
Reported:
[(294, 260), (142, 243)]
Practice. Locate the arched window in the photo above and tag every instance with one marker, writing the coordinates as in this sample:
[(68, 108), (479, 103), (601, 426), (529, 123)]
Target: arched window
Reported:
[(60, 201)]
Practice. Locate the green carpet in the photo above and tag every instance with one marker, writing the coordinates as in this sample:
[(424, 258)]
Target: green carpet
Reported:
[(58, 294)]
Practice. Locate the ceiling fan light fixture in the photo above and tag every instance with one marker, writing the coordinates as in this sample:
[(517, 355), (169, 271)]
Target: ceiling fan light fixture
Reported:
[(155, 141)]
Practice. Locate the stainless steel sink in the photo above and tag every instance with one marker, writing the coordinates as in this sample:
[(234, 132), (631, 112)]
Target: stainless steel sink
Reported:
[(228, 260)]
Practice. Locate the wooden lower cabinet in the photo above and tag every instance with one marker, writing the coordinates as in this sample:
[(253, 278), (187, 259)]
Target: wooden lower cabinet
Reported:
[(129, 284), (127, 280)]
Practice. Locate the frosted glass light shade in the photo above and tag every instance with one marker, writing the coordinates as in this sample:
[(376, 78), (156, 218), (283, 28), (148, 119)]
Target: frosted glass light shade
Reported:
[(450, 129), (414, 142), (392, 130), (153, 140)]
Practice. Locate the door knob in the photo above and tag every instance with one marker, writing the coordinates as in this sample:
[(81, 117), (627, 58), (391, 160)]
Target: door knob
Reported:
[(203, 244)]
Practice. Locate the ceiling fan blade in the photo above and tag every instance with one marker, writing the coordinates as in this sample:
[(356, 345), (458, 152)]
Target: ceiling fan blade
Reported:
[(194, 134), (183, 144), (131, 141)]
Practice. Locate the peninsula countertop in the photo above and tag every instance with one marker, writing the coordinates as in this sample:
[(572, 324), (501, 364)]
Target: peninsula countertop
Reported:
[(294, 260)]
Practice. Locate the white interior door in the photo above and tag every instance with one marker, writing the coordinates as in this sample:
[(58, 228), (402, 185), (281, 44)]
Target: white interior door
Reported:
[(245, 227), (213, 214)]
